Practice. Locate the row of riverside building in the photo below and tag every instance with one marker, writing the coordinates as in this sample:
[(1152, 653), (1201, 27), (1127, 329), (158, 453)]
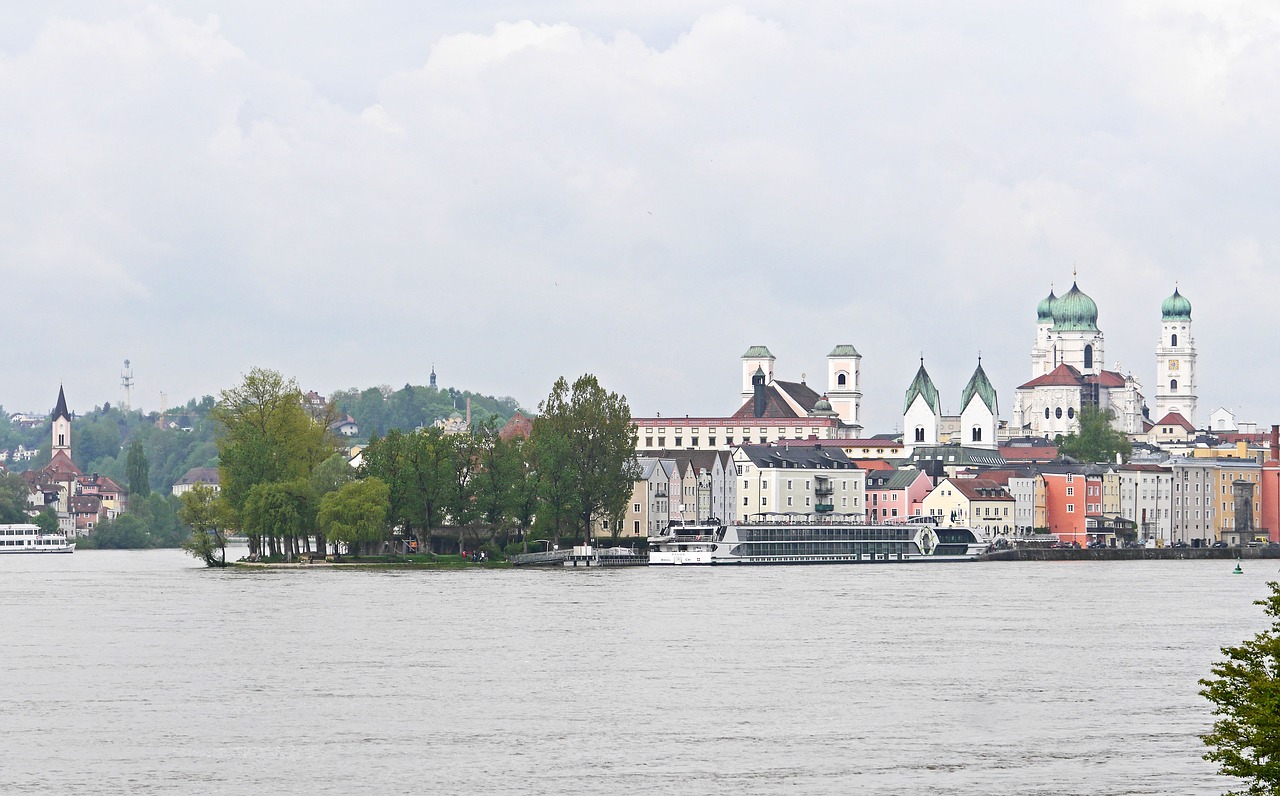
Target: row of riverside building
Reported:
[(790, 450)]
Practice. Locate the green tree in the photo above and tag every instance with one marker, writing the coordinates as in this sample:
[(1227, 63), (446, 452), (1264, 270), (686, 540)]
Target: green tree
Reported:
[(1097, 440), (280, 512), (203, 511), (460, 490), (125, 532), (526, 488), (268, 437), (13, 498), (356, 514), (47, 520), (138, 471), (1245, 692), (589, 429)]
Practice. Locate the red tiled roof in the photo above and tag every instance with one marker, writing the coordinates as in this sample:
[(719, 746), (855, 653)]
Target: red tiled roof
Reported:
[(517, 426), (1062, 376), (1028, 454), (873, 464), (774, 406), (973, 489), (1176, 419), (61, 467), (1106, 378)]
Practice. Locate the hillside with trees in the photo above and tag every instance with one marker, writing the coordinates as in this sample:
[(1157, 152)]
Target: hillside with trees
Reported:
[(378, 410)]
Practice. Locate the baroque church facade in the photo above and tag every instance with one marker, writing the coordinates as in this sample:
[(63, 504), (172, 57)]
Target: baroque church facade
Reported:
[(1069, 373)]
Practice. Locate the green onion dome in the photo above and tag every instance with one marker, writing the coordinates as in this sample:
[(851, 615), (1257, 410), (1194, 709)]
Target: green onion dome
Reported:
[(1075, 312), (1044, 310), (1176, 307)]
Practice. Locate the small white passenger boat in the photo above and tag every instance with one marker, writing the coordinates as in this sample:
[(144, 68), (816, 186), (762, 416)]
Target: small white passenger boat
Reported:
[(27, 538)]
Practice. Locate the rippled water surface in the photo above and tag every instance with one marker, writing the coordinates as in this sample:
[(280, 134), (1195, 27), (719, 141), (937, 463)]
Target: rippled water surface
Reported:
[(138, 672)]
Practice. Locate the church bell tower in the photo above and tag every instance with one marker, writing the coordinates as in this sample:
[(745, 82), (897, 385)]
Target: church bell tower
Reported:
[(1176, 360)]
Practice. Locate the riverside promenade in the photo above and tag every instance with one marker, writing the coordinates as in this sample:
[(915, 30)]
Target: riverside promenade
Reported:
[(1133, 554)]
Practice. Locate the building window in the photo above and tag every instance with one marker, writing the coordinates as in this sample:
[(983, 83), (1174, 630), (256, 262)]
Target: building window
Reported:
[(1173, 384), (1088, 357), (1071, 508), (919, 433), (977, 434), (635, 507), (1071, 491), (1058, 413), (842, 379), (1173, 339), (1046, 413)]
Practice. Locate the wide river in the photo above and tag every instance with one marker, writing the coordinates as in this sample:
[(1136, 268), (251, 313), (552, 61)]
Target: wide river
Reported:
[(141, 672)]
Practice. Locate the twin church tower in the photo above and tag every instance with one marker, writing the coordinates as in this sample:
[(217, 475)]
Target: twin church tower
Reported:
[(1068, 369)]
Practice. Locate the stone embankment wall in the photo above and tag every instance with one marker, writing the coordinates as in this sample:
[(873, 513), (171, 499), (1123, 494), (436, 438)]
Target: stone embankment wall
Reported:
[(1132, 554)]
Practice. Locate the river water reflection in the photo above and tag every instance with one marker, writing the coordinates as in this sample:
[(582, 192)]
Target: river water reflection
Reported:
[(139, 672)]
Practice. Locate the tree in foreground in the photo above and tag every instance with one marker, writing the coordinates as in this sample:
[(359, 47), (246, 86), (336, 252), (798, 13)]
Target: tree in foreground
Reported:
[(355, 514), (589, 430), (1245, 692), (203, 510), (1097, 440)]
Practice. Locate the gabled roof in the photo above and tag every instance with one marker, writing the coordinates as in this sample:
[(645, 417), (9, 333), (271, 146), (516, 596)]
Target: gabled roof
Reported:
[(980, 489), (1062, 376), (806, 457), (1176, 419), (61, 468), (200, 475), (517, 426), (1106, 378), (922, 385), (980, 386), (60, 410), (893, 479), (799, 392), (775, 405)]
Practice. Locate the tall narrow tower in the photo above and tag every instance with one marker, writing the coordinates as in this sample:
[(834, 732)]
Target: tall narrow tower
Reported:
[(61, 426), (1041, 353), (1176, 360), (844, 390)]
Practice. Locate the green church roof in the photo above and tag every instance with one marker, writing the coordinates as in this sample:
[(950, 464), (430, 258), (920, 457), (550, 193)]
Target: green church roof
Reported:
[(923, 385), (1075, 312), (1176, 307), (845, 350), (1044, 310), (757, 351), (979, 385)]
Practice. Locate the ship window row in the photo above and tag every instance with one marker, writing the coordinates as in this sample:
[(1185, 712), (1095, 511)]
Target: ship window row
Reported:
[(785, 534), (755, 550), (16, 532)]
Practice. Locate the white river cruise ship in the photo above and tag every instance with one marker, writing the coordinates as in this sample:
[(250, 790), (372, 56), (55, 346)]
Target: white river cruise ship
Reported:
[(812, 539), (30, 539)]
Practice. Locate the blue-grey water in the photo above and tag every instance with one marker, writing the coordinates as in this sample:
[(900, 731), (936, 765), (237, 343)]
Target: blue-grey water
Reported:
[(140, 672)]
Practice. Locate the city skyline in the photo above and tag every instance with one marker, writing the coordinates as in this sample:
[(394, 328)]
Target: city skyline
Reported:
[(354, 197)]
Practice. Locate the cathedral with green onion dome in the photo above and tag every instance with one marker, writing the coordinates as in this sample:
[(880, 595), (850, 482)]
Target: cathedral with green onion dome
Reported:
[(1068, 372)]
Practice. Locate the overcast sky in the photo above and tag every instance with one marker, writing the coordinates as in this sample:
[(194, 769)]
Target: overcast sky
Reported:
[(349, 192)]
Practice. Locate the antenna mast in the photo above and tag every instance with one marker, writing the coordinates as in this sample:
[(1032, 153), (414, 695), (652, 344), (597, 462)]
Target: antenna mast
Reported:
[(126, 382)]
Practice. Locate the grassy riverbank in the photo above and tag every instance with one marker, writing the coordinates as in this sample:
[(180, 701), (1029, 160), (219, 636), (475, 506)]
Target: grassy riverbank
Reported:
[(425, 561)]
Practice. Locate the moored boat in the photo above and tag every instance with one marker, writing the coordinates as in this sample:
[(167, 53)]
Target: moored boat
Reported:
[(27, 538), (813, 539)]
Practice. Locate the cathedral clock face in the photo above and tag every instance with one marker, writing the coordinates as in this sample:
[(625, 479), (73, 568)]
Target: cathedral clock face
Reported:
[(1173, 364)]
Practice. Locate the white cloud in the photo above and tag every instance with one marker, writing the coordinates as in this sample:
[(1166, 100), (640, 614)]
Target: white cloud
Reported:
[(641, 192)]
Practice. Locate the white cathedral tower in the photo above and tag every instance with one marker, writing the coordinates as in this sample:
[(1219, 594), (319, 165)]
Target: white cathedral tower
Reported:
[(1176, 360), (756, 358)]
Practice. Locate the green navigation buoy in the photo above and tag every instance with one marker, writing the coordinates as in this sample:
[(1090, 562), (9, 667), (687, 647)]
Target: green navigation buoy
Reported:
[(1237, 570)]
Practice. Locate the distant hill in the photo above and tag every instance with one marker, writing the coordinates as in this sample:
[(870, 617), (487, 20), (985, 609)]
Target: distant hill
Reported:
[(378, 409)]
